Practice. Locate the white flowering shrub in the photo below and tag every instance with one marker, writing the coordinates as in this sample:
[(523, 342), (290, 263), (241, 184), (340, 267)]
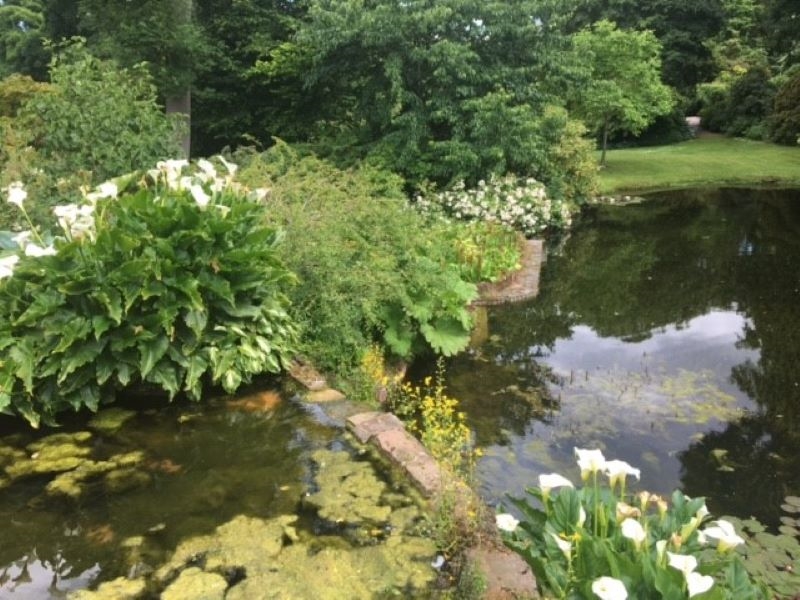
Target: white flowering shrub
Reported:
[(519, 203), (168, 278)]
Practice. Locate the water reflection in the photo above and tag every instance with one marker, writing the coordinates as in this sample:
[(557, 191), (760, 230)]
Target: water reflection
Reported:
[(669, 334)]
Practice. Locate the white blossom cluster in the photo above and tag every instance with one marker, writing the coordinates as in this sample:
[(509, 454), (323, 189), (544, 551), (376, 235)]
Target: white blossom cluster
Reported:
[(519, 203)]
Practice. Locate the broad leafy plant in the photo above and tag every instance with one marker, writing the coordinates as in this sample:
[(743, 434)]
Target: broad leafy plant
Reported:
[(599, 542), (167, 278)]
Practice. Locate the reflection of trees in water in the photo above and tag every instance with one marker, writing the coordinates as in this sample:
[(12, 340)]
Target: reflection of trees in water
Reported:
[(747, 469), (499, 396)]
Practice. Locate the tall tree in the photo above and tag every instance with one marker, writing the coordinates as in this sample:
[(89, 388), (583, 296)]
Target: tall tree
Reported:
[(623, 90), (22, 28), (159, 32), (420, 84)]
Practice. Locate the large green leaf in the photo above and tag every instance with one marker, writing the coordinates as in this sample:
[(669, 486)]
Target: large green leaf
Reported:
[(150, 352), (446, 336)]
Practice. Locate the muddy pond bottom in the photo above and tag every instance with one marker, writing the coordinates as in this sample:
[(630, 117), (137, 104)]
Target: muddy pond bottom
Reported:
[(256, 496)]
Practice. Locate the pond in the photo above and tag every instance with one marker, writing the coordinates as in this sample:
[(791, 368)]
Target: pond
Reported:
[(666, 333), (252, 493)]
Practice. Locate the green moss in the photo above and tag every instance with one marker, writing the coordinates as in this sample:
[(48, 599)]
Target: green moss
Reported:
[(195, 584), (120, 588), (110, 420)]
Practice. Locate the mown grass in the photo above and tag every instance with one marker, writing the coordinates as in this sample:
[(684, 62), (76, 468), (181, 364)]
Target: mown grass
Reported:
[(706, 161)]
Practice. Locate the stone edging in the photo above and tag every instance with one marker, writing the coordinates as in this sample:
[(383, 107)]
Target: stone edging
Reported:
[(520, 285), (507, 575)]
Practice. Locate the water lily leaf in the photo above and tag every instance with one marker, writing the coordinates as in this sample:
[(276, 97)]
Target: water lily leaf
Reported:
[(793, 500), (787, 529)]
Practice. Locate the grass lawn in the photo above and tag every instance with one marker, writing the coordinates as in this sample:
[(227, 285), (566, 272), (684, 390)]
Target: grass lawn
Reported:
[(709, 160)]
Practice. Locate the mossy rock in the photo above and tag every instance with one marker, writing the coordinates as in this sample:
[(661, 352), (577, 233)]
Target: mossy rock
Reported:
[(59, 439), (120, 588), (194, 584), (72, 484), (110, 420), (125, 479), (349, 491)]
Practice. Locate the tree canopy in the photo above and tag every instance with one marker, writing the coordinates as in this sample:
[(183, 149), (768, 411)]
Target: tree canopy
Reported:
[(623, 91)]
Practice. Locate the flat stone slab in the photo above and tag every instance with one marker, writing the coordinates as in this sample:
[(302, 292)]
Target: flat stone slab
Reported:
[(365, 425), (325, 395), (408, 453), (307, 375), (507, 576)]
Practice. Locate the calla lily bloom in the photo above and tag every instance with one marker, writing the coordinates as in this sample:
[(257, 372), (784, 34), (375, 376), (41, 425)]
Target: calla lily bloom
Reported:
[(506, 522), (200, 196), (723, 533), (551, 481), (698, 583), (685, 563), (7, 265), (36, 250), (16, 194), (617, 470), (634, 531), (590, 462), (626, 511), (608, 588), (563, 545)]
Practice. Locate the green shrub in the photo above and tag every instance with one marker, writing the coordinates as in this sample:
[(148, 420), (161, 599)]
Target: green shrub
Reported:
[(174, 283), (369, 268), (590, 542), (94, 121), (784, 122)]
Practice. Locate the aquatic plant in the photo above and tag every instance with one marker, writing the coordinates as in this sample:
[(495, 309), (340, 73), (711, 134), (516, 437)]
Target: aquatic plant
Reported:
[(167, 278), (600, 541)]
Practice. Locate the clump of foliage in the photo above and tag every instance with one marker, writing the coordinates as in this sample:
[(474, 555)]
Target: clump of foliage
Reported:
[(773, 557), (784, 122), (739, 105), (487, 251), (518, 203), (591, 542), (92, 122), (369, 268), (165, 278)]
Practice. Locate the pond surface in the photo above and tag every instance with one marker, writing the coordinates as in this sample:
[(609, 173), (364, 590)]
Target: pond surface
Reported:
[(666, 333), (150, 481)]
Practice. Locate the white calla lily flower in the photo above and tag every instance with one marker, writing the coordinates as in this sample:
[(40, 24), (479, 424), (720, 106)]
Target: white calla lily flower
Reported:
[(16, 194), (7, 265), (35, 250), (553, 480), (697, 583), (618, 470), (633, 530), (608, 588), (506, 522), (685, 563), (723, 533), (564, 545), (590, 462)]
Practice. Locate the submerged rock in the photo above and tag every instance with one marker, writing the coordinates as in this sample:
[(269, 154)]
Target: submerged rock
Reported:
[(125, 479), (349, 491), (110, 420), (72, 483), (194, 584), (120, 588), (53, 454), (267, 559)]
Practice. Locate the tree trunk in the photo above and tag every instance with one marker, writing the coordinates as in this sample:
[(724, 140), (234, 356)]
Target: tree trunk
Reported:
[(605, 143), (181, 102)]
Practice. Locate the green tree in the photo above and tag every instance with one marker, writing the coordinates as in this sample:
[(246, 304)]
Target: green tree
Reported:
[(22, 26), (623, 90), (238, 95), (420, 86), (94, 121)]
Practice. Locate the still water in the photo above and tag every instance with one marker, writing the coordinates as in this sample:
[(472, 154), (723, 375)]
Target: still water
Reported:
[(666, 333)]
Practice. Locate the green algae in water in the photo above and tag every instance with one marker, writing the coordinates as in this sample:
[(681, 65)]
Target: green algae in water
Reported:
[(224, 485)]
